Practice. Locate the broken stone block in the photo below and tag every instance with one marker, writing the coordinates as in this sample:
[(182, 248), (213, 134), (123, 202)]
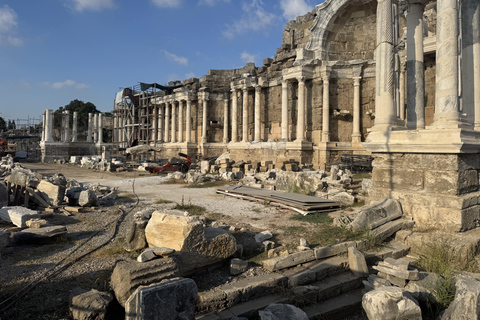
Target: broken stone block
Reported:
[(357, 262), (238, 266), (194, 177), (373, 216), (390, 303), (173, 299), (403, 274), (91, 304), (36, 223), (18, 215), (466, 302), (282, 312), (51, 193), (135, 239), (199, 246), (423, 288), (127, 276), (262, 236), (205, 167), (88, 198), (36, 235), (3, 195), (23, 177), (367, 185), (154, 253)]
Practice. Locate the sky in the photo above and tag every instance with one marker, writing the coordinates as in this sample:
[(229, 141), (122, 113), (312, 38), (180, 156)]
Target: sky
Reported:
[(56, 51)]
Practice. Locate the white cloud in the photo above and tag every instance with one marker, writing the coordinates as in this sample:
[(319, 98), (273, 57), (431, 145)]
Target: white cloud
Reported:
[(190, 75), (94, 5), (8, 24), (66, 83), (167, 3), (180, 60), (211, 2), (247, 57), (294, 8), (254, 18)]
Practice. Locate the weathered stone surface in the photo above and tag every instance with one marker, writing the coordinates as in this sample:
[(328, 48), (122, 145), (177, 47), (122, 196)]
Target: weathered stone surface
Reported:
[(89, 305), (387, 230), (390, 303), (238, 266), (51, 193), (24, 178), (367, 185), (466, 304), (423, 288), (135, 239), (282, 312), (36, 223), (172, 299), (36, 235), (18, 215), (290, 260), (87, 198), (199, 246), (357, 262), (328, 251), (154, 253), (372, 216), (403, 274), (262, 236)]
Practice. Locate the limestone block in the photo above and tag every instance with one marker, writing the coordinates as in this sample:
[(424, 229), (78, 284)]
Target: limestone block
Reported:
[(384, 232), (204, 167), (135, 239), (24, 178), (336, 249), (262, 236), (36, 235), (154, 253), (398, 178), (282, 312), (357, 262), (367, 185), (36, 223), (85, 305), (127, 276), (287, 261), (423, 288), (372, 216), (18, 215), (238, 266), (51, 193), (199, 246), (466, 303), (390, 303), (173, 299), (403, 274), (87, 198)]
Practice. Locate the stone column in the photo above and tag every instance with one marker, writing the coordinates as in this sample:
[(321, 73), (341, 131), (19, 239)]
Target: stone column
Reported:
[(95, 128), (385, 111), (100, 128), (402, 92), (174, 122), (204, 122), (44, 125), (471, 60), (326, 107), (67, 126), (234, 116), (225, 119), (284, 110), (189, 120), (48, 125), (415, 72), (89, 131), (167, 122), (446, 85), (301, 109), (245, 115), (155, 124), (180, 121), (75, 126), (160, 124), (356, 135), (258, 91)]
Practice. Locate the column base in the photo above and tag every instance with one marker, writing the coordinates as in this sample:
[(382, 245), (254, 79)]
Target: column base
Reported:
[(300, 145)]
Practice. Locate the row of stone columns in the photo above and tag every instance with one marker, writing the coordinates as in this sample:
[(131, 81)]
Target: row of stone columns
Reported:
[(245, 115), (47, 132), (448, 89)]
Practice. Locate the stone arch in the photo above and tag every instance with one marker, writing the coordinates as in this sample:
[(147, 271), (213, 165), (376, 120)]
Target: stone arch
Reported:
[(326, 14)]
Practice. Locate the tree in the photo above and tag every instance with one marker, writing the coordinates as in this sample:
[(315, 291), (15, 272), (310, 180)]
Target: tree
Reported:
[(82, 108)]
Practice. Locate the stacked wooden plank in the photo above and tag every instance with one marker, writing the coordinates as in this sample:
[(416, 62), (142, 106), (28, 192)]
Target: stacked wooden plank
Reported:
[(298, 202)]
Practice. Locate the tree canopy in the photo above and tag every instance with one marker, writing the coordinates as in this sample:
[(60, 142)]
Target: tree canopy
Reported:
[(82, 108), (3, 124)]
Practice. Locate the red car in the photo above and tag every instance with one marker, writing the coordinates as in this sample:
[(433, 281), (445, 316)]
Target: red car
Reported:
[(174, 164)]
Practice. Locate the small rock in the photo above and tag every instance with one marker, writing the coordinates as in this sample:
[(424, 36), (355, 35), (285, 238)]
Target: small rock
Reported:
[(262, 236), (282, 312), (154, 253), (238, 266)]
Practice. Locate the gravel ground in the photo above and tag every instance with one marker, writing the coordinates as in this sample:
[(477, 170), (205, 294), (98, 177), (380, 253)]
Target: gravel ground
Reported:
[(36, 280)]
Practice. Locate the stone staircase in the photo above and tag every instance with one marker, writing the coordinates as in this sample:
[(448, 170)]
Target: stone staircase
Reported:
[(322, 288)]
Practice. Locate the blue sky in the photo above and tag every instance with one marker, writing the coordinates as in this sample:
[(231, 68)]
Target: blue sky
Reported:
[(55, 51)]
